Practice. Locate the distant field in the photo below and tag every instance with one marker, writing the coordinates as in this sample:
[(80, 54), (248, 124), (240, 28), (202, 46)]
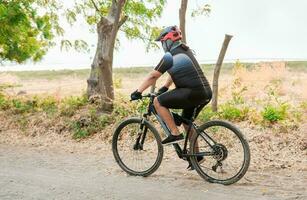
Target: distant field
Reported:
[(291, 76), (131, 71)]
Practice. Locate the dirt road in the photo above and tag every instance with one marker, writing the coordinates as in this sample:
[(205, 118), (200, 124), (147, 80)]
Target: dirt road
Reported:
[(39, 173)]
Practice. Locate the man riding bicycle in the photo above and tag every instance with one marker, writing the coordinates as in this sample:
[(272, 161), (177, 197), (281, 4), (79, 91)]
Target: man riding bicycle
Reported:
[(192, 90)]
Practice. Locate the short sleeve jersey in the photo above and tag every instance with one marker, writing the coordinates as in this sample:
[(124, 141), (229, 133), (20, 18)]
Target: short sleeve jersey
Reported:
[(184, 69)]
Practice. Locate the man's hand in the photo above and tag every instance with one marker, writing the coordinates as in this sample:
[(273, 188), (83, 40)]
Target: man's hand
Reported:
[(136, 95), (162, 90)]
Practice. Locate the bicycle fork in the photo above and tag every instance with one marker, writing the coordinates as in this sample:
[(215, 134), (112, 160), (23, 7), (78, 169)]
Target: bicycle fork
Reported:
[(141, 136)]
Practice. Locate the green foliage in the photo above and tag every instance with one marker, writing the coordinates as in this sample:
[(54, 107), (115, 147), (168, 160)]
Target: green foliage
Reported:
[(70, 104), (4, 103), (201, 10), (48, 104), (78, 131), (78, 45), (26, 34), (21, 106), (207, 114), (139, 15), (303, 105), (117, 82), (232, 112), (142, 106), (274, 113), (121, 109), (84, 120), (90, 124)]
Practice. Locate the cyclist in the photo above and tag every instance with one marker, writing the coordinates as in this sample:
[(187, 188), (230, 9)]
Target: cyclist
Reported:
[(192, 89)]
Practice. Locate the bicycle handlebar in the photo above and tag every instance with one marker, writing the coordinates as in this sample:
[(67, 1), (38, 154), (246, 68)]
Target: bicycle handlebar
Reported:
[(149, 95), (146, 96)]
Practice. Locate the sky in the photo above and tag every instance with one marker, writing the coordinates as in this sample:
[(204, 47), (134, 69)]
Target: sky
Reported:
[(262, 30)]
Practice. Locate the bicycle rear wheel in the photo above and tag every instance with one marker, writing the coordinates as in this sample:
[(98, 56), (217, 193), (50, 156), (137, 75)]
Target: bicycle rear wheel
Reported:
[(137, 148), (230, 156)]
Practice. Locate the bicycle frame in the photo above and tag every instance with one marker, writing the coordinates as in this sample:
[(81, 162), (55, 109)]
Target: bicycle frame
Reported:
[(182, 153)]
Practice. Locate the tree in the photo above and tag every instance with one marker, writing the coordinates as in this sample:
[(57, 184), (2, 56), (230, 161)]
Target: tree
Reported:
[(24, 33), (200, 10), (133, 18), (182, 14)]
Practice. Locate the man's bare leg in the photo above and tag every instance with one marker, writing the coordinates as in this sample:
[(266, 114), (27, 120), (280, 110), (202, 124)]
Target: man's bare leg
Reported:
[(167, 117)]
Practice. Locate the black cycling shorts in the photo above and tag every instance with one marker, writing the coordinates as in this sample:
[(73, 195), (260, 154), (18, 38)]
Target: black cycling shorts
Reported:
[(187, 99)]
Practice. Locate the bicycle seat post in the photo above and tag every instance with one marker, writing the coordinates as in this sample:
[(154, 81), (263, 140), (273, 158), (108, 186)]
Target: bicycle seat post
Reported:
[(194, 114)]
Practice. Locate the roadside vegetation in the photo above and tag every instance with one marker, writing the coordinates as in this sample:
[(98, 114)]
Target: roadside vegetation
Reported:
[(83, 118), (266, 101)]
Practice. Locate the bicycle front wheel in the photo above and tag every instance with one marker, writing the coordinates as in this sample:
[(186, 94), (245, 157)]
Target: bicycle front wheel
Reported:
[(227, 160), (137, 147)]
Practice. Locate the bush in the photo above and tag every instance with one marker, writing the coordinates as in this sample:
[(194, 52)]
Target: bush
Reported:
[(48, 104), (89, 124), (79, 132), (4, 103), (303, 106), (117, 82), (207, 114), (20, 106), (274, 113), (123, 108), (70, 104), (229, 111)]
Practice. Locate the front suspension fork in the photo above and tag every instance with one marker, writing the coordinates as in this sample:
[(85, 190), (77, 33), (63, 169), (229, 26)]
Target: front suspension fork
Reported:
[(141, 137)]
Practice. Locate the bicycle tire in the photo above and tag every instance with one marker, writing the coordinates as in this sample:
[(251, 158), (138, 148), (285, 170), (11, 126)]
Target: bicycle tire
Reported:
[(119, 160), (243, 141)]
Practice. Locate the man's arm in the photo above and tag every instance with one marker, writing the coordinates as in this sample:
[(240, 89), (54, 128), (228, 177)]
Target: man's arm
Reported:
[(150, 80), (165, 63)]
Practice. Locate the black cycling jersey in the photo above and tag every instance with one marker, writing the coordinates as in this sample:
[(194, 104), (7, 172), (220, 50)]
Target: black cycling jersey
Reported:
[(192, 88), (185, 71)]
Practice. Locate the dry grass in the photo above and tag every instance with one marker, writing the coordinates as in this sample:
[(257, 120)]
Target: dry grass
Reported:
[(271, 146), (259, 80)]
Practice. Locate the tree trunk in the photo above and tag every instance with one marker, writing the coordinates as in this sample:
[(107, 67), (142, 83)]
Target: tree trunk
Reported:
[(100, 82), (217, 71), (182, 13)]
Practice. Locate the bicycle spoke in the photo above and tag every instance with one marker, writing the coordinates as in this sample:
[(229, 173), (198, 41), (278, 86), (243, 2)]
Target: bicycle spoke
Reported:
[(229, 157), (129, 149)]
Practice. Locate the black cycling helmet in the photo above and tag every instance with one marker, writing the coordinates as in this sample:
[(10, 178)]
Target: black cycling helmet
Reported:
[(170, 33), (169, 36)]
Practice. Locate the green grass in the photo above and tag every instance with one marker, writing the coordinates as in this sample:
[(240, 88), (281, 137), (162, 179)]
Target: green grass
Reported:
[(297, 66)]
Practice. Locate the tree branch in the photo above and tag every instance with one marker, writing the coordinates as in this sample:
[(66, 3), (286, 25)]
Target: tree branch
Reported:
[(96, 7), (122, 21)]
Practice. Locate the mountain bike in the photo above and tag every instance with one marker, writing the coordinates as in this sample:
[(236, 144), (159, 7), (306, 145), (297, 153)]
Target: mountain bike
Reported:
[(137, 147)]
